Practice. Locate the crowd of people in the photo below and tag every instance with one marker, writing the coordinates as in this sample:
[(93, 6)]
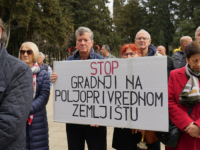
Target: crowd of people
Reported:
[(25, 84)]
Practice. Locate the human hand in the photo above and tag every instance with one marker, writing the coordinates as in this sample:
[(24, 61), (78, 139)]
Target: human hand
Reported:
[(92, 125), (54, 76), (193, 130), (138, 130)]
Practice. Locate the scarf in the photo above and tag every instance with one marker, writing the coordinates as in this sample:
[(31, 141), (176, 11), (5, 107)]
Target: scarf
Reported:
[(190, 93), (35, 69)]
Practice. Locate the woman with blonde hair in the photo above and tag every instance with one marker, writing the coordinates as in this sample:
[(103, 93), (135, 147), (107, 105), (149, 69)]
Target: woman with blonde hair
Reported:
[(37, 125)]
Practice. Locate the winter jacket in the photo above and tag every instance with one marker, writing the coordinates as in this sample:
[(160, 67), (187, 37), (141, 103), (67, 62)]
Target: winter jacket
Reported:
[(170, 66), (179, 113), (16, 96), (177, 57), (49, 70), (152, 51), (37, 132)]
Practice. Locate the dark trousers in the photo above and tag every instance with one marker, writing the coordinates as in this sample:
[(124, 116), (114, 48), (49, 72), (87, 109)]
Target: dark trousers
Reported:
[(123, 139), (94, 136), (154, 146)]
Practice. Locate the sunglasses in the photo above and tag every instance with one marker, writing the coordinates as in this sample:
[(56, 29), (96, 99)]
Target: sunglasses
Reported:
[(29, 52)]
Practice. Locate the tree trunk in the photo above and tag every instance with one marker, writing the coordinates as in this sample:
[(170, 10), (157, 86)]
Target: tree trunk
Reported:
[(48, 51), (30, 31)]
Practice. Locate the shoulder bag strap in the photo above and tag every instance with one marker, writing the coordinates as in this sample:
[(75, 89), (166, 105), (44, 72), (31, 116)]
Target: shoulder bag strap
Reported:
[(190, 110)]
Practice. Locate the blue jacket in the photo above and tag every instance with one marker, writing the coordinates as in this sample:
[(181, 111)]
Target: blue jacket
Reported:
[(152, 50), (37, 132), (93, 55)]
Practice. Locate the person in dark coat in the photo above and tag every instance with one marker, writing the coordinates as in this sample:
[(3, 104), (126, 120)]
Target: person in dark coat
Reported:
[(143, 43), (37, 125), (126, 139), (170, 64), (16, 95), (77, 134)]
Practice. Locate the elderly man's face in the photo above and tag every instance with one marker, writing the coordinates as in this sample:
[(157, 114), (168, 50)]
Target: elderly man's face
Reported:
[(142, 40), (198, 35), (40, 60), (84, 43), (161, 50)]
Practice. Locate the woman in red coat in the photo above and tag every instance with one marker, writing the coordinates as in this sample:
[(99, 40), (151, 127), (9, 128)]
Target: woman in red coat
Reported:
[(183, 92)]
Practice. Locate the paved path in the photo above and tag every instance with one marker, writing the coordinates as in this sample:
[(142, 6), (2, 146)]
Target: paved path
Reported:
[(57, 132)]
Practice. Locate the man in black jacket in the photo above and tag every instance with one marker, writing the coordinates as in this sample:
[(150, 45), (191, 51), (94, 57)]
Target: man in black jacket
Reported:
[(16, 96), (170, 65)]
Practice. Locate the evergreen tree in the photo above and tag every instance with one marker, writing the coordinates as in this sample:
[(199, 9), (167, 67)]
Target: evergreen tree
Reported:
[(160, 20), (187, 19), (47, 18), (185, 28), (16, 13), (161, 38), (131, 18), (95, 15)]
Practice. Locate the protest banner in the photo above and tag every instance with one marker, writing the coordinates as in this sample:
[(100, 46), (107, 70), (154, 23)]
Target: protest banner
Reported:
[(128, 93)]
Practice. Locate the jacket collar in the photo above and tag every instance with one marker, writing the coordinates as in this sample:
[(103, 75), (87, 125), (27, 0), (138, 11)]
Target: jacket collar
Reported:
[(182, 52), (3, 53), (151, 50), (181, 77), (77, 55)]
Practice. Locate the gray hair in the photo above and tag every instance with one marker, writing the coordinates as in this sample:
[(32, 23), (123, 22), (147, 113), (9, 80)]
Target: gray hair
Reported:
[(3, 34), (144, 31), (43, 56), (81, 30), (106, 47), (197, 30)]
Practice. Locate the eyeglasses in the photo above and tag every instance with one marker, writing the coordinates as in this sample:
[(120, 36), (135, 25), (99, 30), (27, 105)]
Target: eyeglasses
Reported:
[(29, 52), (140, 38), (131, 54)]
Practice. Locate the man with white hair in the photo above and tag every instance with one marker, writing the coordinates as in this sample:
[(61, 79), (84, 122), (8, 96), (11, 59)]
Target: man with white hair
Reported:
[(47, 67), (77, 134), (143, 43)]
